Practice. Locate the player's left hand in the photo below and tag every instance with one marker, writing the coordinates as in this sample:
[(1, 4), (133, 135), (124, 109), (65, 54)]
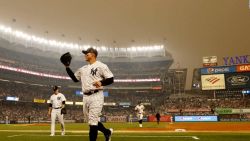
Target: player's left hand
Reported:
[(97, 84)]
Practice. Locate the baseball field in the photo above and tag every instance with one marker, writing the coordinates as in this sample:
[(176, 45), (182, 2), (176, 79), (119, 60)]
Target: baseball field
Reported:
[(210, 131)]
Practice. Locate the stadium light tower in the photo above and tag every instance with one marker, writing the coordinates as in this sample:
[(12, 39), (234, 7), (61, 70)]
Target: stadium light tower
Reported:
[(178, 72)]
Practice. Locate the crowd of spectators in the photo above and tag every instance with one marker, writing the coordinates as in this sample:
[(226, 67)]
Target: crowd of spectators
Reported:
[(26, 109), (28, 92), (35, 112), (201, 105), (52, 65)]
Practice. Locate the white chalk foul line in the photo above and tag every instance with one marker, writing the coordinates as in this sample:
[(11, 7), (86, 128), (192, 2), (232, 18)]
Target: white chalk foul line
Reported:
[(11, 136), (196, 138), (119, 136), (133, 136)]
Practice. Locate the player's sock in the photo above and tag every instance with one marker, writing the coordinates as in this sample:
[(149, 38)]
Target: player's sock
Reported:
[(62, 127), (140, 123), (104, 130), (93, 131)]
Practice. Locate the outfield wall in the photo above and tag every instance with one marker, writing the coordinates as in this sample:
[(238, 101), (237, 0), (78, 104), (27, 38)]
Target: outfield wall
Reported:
[(196, 118), (225, 117)]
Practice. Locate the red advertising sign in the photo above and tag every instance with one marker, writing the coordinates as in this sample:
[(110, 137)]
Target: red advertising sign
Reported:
[(243, 68), (164, 118)]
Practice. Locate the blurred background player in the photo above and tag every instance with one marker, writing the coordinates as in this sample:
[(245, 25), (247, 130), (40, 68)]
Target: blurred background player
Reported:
[(57, 102), (93, 76), (6, 120), (158, 117), (171, 120), (130, 119), (139, 108)]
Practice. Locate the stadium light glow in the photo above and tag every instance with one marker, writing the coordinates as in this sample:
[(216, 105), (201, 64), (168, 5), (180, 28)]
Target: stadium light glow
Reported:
[(12, 98), (78, 103), (103, 48), (138, 80), (17, 34), (133, 49)]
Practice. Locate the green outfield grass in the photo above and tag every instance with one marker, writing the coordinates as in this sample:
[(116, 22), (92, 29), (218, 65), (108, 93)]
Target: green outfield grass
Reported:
[(79, 132)]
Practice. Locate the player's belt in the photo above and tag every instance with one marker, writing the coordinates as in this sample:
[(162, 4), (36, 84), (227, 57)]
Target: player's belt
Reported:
[(91, 92), (57, 108)]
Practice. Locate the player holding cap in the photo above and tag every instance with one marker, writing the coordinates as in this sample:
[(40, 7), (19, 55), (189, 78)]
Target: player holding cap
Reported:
[(93, 77), (57, 103), (139, 108)]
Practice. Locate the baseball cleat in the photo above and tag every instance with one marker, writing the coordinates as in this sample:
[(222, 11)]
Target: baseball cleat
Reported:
[(108, 137), (52, 135)]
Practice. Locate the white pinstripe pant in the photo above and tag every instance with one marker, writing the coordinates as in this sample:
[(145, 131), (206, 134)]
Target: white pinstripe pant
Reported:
[(140, 116), (56, 113), (92, 107)]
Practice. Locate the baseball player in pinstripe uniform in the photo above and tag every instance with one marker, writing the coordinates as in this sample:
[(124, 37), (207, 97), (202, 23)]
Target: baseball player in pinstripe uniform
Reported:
[(93, 77), (57, 102), (139, 108)]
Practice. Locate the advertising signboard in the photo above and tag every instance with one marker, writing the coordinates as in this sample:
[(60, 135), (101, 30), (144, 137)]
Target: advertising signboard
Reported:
[(213, 82)]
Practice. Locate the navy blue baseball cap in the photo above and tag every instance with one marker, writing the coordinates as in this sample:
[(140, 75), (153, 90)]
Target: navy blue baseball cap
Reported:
[(55, 88), (90, 50)]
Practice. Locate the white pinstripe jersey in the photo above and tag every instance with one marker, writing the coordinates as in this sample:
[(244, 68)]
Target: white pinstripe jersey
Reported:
[(90, 73), (139, 108), (56, 100)]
